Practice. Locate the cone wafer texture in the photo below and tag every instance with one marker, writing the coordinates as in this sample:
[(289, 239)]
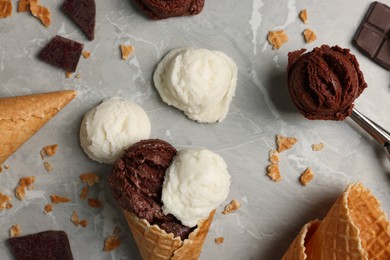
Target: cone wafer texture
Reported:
[(354, 228), (22, 116), (155, 243)]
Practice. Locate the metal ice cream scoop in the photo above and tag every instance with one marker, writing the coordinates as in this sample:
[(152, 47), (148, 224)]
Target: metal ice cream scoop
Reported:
[(376, 131)]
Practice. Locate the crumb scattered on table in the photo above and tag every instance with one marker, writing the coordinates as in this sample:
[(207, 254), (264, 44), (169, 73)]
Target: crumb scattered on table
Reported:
[(5, 8), (41, 12), (306, 176), (83, 223), (277, 38), (219, 240), (284, 143), (78, 75), (5, 201), (94, 203), (15, 230), (274, 156), (50, 150), (126, 50), (84, 193), (90, 178), (48, 166), (309, 35), (231, 207), (68, 74), (75, 218), (111, 243), (317, 147), (303, 15), (273, 172), (48, 208), (6, 167), (24, 182), (24, 5), (58, 199), (86, 54)]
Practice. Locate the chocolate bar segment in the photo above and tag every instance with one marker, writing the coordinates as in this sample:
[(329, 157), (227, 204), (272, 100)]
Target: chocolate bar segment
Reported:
[(63, 53), (83, 13), (373, 35), (47, 245)]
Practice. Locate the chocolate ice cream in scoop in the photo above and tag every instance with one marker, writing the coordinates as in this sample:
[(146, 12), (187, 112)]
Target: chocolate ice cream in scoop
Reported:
[(324, 82)]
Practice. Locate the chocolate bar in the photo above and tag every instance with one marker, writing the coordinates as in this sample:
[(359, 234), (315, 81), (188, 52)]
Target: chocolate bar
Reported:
[(373, 35)]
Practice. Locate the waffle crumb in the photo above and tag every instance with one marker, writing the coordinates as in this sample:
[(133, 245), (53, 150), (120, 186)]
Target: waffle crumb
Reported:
[(83, 223), (306, 176), (233, 206), (6, 167), (94, 203), (317, 147), (50, 150), (303, 16), (126, 50), (111, 243), (86, 54), (68, 74), (48, 208), (5, 8), (284, 143), (84, 193), (219, 240), (24, 5), (277, 38), (78, 76), (90, 178), (48, 166), (274, 156), (273, 172), (309, 35), (74, 218), (15, 230), (24, 182), (41, 12), (58, 199), (5, 201)]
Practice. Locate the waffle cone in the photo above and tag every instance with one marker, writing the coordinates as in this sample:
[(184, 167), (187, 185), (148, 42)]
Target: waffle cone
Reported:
[(354, 228), (22, 116), (154, 243)]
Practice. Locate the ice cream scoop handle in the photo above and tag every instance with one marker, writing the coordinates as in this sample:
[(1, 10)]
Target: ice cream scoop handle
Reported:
[(376, 131)]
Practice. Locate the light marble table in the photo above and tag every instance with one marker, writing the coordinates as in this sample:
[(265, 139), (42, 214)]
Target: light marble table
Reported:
[(271, 213)]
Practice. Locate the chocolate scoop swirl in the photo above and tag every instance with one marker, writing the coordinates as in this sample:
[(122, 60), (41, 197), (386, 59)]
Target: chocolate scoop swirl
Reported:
[(325, 82), (160, 9)]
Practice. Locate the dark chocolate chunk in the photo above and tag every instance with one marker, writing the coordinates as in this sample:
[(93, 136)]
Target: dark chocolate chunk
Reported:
[(161, 9), (63, 53), (48, 245), (373, 35), (83, 13)]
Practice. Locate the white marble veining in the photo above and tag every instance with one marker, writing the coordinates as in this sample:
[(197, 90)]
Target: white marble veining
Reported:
[(271, 213)]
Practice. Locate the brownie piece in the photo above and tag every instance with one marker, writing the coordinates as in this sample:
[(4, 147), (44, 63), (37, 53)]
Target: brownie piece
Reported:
[(48, 245), (62, 52), (373, 35), (83, 13)]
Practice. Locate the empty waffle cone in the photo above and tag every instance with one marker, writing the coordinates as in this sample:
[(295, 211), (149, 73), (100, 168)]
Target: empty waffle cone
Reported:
[(354, 228), (22, 116), (154, 243)]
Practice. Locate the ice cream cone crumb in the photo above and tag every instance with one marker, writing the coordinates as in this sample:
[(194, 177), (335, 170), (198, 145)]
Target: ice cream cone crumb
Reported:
[(78, 76), (84, 193), (48, 208), (317, 147), (273, 172), (274, 156), (127, 50), (285, 143), (48, 166), (306, 176), (6, 167), (90, 178), (231, 207), (75, 218), (86, 54), (50, 150), (4, 201), (94, 203), (24, 182), (57, 199), (303, 15), (111, 243), (24, 5), (309, 35), (41, 12), (277, 38), (15, 230), (219, 240), (83, 223), (68, 74), (5, 8)]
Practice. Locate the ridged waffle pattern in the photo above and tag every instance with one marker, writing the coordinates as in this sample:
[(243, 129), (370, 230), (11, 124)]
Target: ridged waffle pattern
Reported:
[(155, 243)]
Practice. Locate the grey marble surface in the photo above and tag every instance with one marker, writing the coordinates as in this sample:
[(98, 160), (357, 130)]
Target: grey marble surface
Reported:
[(271, 213)]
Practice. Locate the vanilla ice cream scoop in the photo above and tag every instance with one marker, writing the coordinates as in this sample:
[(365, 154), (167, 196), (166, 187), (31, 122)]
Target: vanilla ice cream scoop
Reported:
[(112, 126), (200, 82), (196, 182)]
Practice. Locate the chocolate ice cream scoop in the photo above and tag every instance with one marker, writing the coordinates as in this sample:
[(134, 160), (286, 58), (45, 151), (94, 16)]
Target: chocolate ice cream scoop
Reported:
[(160, 9), (324, 82), (136, 182)]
